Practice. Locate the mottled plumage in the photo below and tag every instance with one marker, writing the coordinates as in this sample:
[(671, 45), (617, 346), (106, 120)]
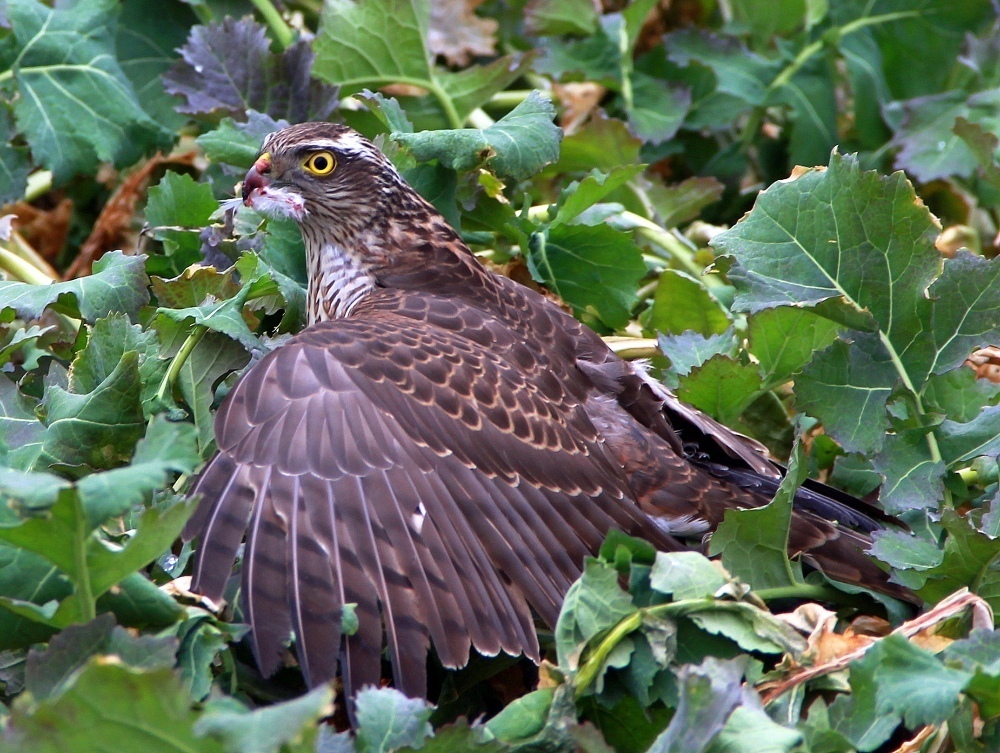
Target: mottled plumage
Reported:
[(442, 446)]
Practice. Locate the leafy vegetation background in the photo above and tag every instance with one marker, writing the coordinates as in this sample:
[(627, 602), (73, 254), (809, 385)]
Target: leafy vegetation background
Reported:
[(608, 154)]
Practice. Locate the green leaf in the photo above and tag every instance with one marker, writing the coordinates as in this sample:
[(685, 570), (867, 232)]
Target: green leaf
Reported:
[(517, 146), (959, 394), (905, 550), (740, 74), (15, 163), (118, 285), (579, 196), (969, 557), (846, 386), (372, 43), (602, 143), (178, 201), (168, 447), (594, 269), (366, 44), (47, 672), (710, 692), (913, 479), (155, 532), (811, 94), (76, 108), (237, 144), (686, 575), (657, 108), (856, 716), (21, 433), (387, 720), (752, 629), (928, 146), (523, 718), (98, 427), (139, 710), (268, 729), (965, 441), (26, 577), (593, 604), (722, 387), (913, 683), (214, 357), (678, 204), (784, 340), (691, 350), (149, 32), (809, 240), (754, 543), (750, 730), (682, 303), (137, 602), (222, 316), (560, 17)]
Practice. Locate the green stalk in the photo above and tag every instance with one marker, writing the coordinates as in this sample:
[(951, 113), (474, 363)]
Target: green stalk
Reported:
[(446, 104), (204, 13), (187, 347), (282, 31), (84, 592), (673, 245), (508, 100), (588, 672), (807, 53), (592, 666), (22, 270)]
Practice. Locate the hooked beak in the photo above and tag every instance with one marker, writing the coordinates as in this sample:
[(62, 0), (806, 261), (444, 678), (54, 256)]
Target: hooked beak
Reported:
[(257, 177)]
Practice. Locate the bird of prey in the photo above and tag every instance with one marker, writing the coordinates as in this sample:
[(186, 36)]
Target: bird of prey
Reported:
[(442, 446)]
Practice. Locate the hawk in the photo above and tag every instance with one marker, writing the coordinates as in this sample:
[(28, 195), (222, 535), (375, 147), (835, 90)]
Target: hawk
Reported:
[(442, 446)]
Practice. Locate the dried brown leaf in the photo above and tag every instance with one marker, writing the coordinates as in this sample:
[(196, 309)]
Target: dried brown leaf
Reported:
[(45, 230), (457, 34), (112, 228)]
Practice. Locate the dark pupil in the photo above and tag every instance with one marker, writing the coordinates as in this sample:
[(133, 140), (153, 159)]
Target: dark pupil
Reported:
[(320, 163)]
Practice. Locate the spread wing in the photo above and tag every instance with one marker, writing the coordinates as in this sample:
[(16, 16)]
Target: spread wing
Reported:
[(442, 487)]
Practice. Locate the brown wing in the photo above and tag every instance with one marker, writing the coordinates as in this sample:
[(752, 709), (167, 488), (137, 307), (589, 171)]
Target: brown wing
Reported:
[(412, 472)]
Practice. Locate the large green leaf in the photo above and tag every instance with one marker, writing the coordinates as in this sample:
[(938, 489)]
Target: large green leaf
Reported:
[(118, 285), (594, 269), (369, 43), (516, 146), (138, 710), (76, 107)]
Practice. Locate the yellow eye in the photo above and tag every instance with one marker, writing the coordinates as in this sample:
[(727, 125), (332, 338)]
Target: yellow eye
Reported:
[(320, 163)]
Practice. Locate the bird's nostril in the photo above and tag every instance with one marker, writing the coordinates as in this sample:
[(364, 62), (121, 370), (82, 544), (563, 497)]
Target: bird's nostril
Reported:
[(263, 164)]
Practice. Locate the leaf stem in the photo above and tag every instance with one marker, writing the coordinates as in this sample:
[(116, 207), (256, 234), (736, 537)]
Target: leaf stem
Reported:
[(508, 100), (806, 54), (446, 104), (22, 270), (932, 444), (187, 347), (595, 661), (84, 592), (805, 591), (673, 245), (204, 13), (282, 31), (811, 49), (39, 184)]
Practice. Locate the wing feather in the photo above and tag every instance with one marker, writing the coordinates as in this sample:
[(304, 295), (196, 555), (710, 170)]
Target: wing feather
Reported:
[(414, 474)]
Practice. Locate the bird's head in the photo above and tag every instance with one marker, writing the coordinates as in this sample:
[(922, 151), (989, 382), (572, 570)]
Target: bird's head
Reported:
[(327, 177)]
